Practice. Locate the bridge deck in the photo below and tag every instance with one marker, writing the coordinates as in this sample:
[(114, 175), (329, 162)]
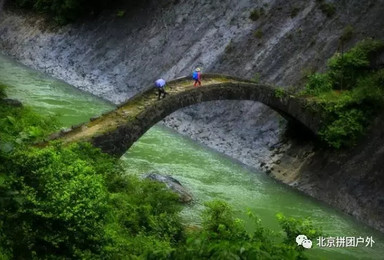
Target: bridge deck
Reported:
[(116, 131), (132, 108)]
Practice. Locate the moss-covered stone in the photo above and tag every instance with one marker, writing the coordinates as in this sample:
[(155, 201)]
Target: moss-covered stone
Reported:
[(116, 131)]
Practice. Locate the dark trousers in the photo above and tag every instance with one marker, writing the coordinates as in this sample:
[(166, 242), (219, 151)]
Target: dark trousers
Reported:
[(161, 91), (197, 82)]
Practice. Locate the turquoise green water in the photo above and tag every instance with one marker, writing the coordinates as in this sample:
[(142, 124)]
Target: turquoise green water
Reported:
[(207, 174), (48, 95)]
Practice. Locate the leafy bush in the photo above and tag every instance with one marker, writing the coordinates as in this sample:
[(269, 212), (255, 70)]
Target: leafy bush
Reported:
[(58, 208), (350, 115), (256, 14), (345, 129), (346, 35), (369, 90), (327, 8), (19, 125), (294, 227), (351, 91), (295, 11), (74, 202), (65, 11), (218, 221), (318, 83), (280, 92), (2, 91), (224, 237), (345, 69)]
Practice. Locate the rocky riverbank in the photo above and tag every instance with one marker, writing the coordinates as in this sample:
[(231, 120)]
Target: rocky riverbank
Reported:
[(351, 180), (115, 57)]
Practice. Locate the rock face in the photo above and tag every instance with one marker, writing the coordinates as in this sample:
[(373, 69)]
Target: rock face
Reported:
[(352, 180), (115, 57), (173, 184)]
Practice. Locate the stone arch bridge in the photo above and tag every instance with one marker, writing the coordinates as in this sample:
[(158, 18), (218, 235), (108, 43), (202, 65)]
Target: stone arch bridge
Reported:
[(115, 132)]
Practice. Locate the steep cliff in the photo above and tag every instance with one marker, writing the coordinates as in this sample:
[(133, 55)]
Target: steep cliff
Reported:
[(114, 57)]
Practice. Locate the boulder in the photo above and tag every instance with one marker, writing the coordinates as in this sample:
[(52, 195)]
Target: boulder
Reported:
[(184, 195), (12, 102)]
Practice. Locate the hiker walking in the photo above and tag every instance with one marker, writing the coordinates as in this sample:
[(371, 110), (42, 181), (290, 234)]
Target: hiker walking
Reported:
[(160, 84), (197, 77)]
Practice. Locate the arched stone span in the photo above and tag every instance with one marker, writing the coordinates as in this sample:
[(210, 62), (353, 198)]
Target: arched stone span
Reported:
[(116, 131)]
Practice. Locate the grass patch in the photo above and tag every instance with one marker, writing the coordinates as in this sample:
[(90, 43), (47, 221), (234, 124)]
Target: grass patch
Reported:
[(256, 78), (280, 92)]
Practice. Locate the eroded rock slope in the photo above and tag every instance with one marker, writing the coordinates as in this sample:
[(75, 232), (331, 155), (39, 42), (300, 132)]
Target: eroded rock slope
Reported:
[(115, 57)]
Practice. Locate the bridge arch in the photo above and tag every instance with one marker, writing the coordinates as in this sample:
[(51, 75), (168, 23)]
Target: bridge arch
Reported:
[(116, 131)]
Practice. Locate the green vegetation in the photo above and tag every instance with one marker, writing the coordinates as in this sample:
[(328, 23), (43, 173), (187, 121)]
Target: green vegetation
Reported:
[(120, 13), (65, 11), (223, 236), (318, 83), (346, 69), (2, 91), (328, 9), (294, 12), (293, 227), (74, 202), (346, 35), (256, 78), (279, 92), (20, 126), (258, 34), (256, 14), (351, 92)]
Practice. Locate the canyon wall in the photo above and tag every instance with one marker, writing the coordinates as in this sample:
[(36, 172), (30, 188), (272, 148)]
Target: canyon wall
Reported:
[(115, 57)]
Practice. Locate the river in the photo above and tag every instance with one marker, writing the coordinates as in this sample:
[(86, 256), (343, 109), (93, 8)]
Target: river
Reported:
[(207, 174)]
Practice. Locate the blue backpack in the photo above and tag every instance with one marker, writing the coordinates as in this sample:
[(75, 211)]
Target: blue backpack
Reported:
[(195, 75)]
